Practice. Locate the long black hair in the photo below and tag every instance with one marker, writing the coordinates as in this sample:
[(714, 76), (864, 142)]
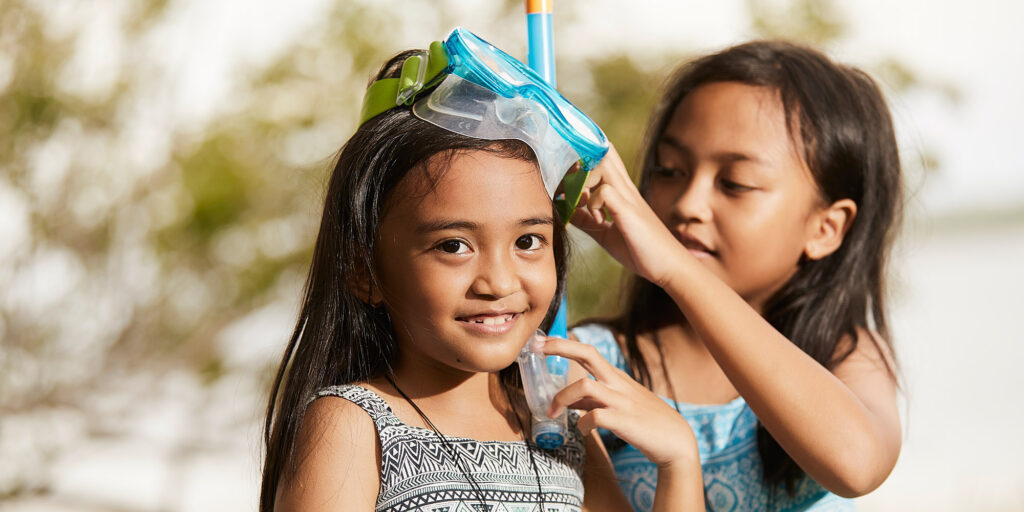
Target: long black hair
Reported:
[(338, 338), (848, 141)]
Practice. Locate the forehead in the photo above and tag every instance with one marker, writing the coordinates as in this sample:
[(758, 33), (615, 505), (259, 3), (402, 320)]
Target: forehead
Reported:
[(736, 116), (471, 185)]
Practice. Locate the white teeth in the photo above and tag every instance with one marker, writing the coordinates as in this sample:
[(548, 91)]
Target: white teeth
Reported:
[(494, 320)]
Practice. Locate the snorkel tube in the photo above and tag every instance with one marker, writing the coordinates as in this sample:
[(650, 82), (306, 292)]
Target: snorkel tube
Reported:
[(542, 378)]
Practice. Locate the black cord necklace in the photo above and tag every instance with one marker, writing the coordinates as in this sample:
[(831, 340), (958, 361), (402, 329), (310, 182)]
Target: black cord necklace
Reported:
[(664, 372), (459, 462), (530, 447)]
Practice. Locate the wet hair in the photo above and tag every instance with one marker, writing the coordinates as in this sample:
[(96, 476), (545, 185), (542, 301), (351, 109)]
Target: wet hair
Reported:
[(338, 338), (838, 116)]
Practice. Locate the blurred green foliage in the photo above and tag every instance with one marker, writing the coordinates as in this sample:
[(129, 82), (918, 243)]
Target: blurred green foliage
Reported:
[(216, 185)]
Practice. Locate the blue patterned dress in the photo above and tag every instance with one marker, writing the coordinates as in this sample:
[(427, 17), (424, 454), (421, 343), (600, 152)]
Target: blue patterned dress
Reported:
[(727, 439)]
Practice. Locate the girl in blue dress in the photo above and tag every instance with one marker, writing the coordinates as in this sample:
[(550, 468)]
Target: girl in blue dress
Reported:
[(769, 196)]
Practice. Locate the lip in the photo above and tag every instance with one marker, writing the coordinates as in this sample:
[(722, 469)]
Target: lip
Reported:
[(490, 322), (696, 247)]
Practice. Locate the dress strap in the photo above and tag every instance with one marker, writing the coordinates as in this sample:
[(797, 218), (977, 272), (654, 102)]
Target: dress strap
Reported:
[(375, 406)]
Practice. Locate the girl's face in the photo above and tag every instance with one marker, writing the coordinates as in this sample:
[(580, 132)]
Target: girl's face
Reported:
[(465, 261), (732, 187)]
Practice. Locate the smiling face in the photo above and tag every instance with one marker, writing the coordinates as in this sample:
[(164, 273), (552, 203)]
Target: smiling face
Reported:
[(465, 261), (730, 184)]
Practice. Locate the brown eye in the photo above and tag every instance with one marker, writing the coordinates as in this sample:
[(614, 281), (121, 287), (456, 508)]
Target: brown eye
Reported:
[(662, 171), (732, 186), (453, 247), (529, 242)]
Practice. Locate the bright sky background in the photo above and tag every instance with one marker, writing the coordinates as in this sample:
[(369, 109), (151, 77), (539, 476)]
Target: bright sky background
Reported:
[(977, 47)]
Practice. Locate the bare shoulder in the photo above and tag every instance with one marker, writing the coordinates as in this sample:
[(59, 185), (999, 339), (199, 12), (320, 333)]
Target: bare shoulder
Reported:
[(870, 354), (334, 423), (870, 373), (337, 460)]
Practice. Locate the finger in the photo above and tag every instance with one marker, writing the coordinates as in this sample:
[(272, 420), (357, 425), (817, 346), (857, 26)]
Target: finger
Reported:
[(584, 394), (595, 176), (606, 234), (591, 420), (584, 219), (616, 201), (586, 355), (599, 197), (627, 423), (608, 419), (612, 169)]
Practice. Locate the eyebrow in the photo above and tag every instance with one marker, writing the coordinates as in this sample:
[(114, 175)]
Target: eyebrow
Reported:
[(721, 157), (447, 224)]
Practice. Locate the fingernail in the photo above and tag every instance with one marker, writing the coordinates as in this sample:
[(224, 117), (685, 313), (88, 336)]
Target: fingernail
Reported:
[(537, 345)]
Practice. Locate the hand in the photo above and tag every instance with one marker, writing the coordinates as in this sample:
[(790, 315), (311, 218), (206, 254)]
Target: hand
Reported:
[(616, 402), (634, 235)]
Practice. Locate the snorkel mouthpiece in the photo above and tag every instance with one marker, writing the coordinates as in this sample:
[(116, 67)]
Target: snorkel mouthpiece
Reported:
[(541, 382)]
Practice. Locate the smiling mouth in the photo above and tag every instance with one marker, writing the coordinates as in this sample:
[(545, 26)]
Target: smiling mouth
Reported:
[(694, 245)]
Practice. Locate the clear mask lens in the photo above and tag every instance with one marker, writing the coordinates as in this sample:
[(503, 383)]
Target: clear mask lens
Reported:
[(463, 107)]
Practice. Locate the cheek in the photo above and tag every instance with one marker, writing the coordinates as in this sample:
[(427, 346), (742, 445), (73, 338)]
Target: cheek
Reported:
[(662, 199), (540, 279), (766, 238), (419, 289)]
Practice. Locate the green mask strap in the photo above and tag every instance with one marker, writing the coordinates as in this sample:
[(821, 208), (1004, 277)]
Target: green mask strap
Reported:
[(419, 72), (572, 190)]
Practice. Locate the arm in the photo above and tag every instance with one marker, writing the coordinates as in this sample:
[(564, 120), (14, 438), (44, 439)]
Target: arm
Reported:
[(337, 460), (601, 491), (613, 400), (842, 428)]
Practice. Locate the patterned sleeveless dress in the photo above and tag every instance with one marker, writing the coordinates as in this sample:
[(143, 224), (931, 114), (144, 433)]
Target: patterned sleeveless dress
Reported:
[(727, 440), (418, 472)]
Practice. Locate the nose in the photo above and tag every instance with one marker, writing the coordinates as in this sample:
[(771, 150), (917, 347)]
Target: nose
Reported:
[(694, 203), (496, 276)]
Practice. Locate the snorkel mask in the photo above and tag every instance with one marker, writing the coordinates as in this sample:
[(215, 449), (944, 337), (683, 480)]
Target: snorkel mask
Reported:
[(479, 91)]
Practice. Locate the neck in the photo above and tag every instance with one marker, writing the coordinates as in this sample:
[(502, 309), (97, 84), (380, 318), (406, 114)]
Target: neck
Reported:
[(447, 389), (677, 335)]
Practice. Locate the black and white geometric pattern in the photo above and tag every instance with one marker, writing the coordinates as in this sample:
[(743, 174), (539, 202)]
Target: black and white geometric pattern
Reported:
[(419, 473)]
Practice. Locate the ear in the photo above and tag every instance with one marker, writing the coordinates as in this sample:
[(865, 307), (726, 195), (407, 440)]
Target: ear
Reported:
[(828, 228), (363, 285)]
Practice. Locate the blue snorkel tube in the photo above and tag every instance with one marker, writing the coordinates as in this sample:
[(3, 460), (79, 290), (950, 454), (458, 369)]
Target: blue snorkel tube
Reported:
[(542, 378), (541, 58)]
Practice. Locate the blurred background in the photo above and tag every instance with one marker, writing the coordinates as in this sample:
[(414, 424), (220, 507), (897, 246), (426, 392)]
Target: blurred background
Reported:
[(162, 165)]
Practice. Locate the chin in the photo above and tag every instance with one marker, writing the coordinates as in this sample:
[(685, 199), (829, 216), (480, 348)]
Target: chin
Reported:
[(491, 363)]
